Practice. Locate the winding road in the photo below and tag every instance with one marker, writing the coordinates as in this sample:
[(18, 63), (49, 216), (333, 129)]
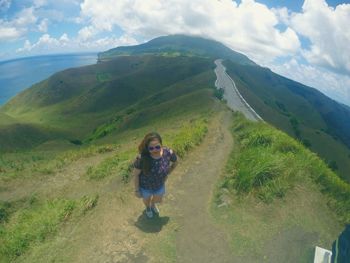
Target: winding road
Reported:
[(234, 99)]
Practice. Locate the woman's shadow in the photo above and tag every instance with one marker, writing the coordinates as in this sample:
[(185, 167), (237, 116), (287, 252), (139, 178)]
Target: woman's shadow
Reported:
[(151, 225)]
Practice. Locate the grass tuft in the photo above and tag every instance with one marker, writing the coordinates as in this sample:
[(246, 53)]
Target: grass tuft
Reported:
[(189, 136), (38, 220), (268, 163)]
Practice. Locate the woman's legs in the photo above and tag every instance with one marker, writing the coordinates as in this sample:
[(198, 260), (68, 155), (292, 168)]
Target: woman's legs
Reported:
[(150, 201), (158, 195), (147, 201), (151, 198), (156, 199)]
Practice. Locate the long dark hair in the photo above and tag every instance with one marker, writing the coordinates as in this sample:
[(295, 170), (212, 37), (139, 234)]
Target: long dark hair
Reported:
[(145, 154)]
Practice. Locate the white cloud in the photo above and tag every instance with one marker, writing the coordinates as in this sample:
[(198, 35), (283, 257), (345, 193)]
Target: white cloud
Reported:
[(108, 42), (47, 44), (39, 3), (249, 27), (86, 33), (51, 14), (17, 27), (283, 14), (332, 84), (24, 18), (327, 28), (43, 26), (27, 45), (8, 33), (44, 44), (64, 38)]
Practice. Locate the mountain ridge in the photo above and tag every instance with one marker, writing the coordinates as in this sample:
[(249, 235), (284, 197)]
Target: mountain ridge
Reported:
[(178, 45), (125, 74)]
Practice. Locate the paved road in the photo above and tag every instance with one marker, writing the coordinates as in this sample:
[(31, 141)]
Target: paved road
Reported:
[(234, 99)]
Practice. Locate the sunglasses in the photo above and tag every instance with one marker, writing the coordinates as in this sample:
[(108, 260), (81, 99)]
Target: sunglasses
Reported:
[(151, 148)]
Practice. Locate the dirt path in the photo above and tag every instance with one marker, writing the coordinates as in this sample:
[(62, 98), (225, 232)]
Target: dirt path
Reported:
[(198, 238)]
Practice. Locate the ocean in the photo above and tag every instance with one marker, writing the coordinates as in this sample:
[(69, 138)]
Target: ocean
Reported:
[(19, 74)]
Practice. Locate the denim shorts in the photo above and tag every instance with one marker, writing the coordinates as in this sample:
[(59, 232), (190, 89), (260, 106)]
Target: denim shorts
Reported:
[(146, 193)]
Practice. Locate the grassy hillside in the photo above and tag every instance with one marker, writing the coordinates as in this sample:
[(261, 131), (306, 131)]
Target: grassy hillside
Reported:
[(277, 199), (22, 136), (33, 217), (78, 102), (179, 99), (270, 163), (318, 122), (105, 86), (5, 119)]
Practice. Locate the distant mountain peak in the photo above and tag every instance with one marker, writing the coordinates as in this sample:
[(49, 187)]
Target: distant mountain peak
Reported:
[(179, 45)]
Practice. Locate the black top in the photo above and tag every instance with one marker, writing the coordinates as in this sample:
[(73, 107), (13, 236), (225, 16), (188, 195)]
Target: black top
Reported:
[(159, 170)]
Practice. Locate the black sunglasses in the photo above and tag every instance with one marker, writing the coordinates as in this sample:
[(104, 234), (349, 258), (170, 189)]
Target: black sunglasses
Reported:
[(151, 148)]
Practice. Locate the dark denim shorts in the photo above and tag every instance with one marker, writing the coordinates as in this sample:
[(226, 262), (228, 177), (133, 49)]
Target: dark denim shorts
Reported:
[(146, 193)]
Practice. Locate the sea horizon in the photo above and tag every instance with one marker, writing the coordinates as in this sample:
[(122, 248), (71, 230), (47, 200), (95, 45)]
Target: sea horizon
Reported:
[(19, 74), (49, 55)]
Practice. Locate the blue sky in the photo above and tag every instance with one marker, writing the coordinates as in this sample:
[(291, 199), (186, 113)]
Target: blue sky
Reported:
[(296, 5), (307, 41)]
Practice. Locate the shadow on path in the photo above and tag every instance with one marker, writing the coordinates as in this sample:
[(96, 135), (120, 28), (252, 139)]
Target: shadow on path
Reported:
[(151, 225)]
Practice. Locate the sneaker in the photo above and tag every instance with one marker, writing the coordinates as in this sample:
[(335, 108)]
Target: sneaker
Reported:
[(149, 212), (155, 209)]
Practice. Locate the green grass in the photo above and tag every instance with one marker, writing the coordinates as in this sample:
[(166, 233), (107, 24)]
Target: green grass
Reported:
[(68, 157), (130, 79), (26, 164), (22, 136), (103, 77), (302, 112), (32, 225), (19, 164), (270, 163), (185, 97), (5, 119), (276, 200), (188, 136), (119, 163)]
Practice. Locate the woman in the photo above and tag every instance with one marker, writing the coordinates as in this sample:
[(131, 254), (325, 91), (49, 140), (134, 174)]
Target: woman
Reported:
[(151, 169)]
